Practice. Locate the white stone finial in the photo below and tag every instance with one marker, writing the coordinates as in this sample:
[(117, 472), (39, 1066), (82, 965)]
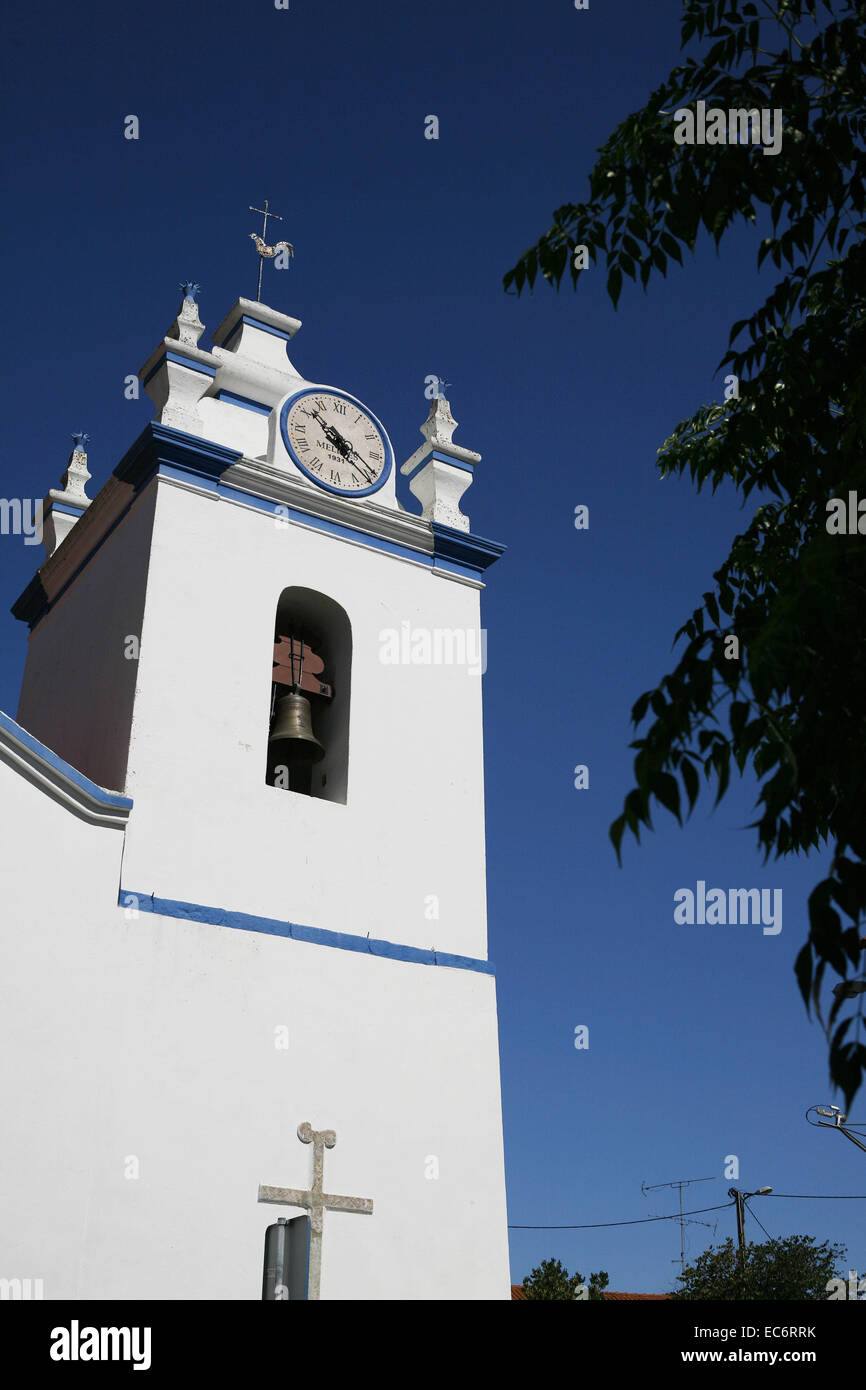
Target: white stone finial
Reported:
[(440, 471), (187, 327), (440, 424), (178, 373), (64, 505), (75, 478)]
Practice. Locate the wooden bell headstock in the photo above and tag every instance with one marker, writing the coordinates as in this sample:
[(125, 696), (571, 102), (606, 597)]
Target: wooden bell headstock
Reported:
[(297, 665)]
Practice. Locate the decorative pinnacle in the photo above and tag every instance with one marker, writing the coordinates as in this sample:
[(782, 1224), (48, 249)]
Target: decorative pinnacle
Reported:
[(440, 423), (75, 475), (187, 327)]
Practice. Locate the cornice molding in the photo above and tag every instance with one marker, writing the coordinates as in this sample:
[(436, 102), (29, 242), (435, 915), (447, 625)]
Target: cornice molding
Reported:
[(222, 471), (59, 779)]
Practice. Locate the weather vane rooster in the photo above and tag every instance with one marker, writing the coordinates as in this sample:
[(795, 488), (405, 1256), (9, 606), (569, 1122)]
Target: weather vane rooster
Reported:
[(266, 252)]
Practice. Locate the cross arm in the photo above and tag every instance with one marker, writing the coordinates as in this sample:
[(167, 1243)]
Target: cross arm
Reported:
[(361, 1204), (284, 1196)]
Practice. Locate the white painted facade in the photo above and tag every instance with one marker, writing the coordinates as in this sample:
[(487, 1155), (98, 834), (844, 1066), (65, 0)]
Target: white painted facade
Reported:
[(144, 1028)]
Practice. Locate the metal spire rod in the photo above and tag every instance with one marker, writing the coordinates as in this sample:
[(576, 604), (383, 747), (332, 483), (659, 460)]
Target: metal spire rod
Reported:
[(266, 214)]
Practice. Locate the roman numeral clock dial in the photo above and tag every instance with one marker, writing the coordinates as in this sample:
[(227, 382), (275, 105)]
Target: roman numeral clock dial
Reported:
[(336, 442)]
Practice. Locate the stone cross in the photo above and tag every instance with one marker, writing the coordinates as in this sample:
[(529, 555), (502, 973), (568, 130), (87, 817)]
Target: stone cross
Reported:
[(315, 1201)]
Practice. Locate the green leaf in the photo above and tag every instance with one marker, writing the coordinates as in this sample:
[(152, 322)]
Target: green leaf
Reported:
[(691, 781), (671, 245), (616, 832), (739, 713), (666, 789), (640, 707), (803, 971)]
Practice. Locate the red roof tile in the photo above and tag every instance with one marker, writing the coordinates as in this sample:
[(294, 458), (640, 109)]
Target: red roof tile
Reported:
[(518, 1294)]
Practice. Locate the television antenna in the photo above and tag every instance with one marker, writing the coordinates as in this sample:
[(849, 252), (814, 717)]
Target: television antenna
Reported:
[(680, 1183)]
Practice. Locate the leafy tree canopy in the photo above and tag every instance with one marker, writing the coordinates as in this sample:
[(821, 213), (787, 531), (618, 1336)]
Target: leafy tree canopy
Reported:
[(791, 1268), (551, 1279), (792, 707)]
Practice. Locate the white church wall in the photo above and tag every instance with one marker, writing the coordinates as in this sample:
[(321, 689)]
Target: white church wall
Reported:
[(234, 425), (151, 1098), (404, 858)]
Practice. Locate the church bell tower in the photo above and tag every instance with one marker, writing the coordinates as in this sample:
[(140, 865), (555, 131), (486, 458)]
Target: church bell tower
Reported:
[(263, 675)]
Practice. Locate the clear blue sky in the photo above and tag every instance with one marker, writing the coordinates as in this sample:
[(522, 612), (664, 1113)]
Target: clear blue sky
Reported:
[(699, 1043)]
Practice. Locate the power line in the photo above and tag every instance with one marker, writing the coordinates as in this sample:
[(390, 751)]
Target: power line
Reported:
[(641, 1221), (675, 1215), (770, 1238), (823, 1196)]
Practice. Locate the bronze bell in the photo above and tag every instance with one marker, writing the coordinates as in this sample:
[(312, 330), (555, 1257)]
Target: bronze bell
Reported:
[(292, 742)]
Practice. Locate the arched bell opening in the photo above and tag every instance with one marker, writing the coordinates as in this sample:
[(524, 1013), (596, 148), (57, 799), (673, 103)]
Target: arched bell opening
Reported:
[(308, 734)]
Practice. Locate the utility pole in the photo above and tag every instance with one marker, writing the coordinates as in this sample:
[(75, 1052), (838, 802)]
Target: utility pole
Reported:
[(740, 1200), (741, 1225)]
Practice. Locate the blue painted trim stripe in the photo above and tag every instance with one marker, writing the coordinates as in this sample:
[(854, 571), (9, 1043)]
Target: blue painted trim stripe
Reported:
[(317, 936), (244, 401), (318, 523), (436, 455), (464, 548), (59, 764), (201, 367), (253, 323), (158, 444), (65, 509), (441, 559), (335, 528)]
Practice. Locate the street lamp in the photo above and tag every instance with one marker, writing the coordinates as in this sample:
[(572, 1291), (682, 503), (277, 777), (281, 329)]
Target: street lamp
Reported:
[(832, 1112), (740, 1199)]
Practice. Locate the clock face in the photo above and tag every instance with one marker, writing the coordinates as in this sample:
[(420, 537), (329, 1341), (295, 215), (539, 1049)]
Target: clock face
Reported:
[(336, 442)]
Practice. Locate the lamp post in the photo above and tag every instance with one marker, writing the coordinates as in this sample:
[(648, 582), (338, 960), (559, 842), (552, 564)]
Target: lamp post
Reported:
[(740, 1199)]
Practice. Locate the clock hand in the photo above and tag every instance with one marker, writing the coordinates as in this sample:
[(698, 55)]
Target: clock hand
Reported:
[(341, 443), (332, 434), (361, 465)]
